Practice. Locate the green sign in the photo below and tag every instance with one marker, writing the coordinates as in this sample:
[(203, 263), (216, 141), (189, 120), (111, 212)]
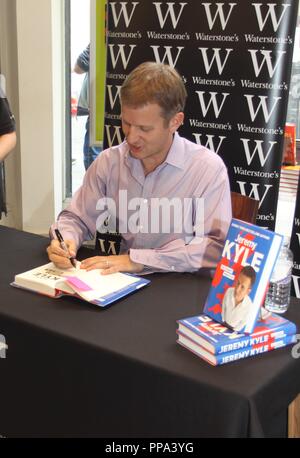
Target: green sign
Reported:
[(97, 70)]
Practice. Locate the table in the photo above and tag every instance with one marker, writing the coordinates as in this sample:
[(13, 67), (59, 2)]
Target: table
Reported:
[(74, 370)]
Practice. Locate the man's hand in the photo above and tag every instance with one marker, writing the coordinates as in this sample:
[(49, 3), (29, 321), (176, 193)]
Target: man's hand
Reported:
[(112, 264), (59, 256)]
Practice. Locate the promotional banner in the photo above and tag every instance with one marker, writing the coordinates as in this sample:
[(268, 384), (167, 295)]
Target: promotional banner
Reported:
[(295, 247), (235, 59)]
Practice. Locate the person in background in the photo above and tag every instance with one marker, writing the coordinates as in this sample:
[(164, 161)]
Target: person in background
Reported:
[(154, 177), (82, 66), (8, 141)]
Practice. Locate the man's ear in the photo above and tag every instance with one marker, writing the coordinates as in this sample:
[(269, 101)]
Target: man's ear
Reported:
[(176, 121)]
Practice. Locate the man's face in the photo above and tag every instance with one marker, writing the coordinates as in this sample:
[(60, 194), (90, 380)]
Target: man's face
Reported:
[(242, 288), (148, 135)]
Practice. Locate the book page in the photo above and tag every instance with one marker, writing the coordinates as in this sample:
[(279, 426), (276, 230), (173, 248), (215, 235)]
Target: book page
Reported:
[(45, 279), (94, 286), (90, 286)]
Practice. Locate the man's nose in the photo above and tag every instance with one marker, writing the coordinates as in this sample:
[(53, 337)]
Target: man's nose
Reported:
[(131, 134)]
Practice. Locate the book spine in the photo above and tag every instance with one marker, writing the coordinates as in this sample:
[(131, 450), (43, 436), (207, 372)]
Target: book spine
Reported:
[(238, 343), (252, 341), (256, 350)]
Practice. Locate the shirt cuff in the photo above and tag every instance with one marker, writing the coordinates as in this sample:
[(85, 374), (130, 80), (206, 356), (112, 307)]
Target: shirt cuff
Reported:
[(150, 259)]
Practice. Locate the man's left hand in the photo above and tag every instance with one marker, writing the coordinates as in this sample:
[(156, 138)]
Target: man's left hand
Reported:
[(112, 264)]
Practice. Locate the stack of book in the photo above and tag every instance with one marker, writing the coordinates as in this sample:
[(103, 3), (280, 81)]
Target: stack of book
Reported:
[(234, 324), (217, 344)]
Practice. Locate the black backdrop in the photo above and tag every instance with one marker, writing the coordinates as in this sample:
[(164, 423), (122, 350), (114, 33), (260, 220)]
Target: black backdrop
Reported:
[(235, 58), (295, 247)]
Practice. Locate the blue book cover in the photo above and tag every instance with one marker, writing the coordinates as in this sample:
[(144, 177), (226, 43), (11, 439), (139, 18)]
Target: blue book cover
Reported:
[(242, 276), (104, 290), (218, 339), (235, 355)]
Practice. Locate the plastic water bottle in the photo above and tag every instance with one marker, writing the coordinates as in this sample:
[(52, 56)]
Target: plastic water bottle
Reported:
[(278, 294)]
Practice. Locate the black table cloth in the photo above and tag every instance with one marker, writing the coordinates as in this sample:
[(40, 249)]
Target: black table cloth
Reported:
[(75, 370)]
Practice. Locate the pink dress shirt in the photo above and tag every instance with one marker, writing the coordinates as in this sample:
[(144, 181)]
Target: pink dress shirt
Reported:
[(190, 172)]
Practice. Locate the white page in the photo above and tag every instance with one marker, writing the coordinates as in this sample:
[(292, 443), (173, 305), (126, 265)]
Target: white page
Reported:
[(45, 279), (102, 285)]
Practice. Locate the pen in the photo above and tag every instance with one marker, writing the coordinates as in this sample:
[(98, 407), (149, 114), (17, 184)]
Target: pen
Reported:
[(64, 246)]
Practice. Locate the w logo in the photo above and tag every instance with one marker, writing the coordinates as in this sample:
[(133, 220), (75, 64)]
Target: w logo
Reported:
[(112, 246), (270, 13), (113, 98), (254, 192), (217, 106), (215, 58), (170, 12), (123, 12), (120, 54), (266, 60), (116, 137), (172, 61), (210, 142), (258, 150), (218, 14), (262, 106)]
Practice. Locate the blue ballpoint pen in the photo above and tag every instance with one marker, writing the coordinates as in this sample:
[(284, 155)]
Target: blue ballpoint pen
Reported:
[(64, 246)]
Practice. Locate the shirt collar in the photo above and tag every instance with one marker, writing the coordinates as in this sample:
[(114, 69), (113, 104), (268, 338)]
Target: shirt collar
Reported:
[(175, 157)]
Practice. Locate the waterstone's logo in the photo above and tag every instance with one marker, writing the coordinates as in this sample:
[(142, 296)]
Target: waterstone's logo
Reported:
[(122, 12), (3, 347), (151, 216), (296, 348)]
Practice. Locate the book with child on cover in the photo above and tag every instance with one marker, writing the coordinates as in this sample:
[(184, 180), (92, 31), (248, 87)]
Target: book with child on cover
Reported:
[(91, 286), (242, 276)]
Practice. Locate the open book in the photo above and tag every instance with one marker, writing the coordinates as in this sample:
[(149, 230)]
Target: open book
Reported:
[(91, 286)]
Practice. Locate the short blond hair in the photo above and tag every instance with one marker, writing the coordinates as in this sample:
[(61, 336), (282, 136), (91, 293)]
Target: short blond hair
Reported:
[(151, 82)]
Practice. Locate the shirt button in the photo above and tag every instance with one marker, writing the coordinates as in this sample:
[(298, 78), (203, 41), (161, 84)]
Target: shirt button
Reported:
[(145, 201)]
